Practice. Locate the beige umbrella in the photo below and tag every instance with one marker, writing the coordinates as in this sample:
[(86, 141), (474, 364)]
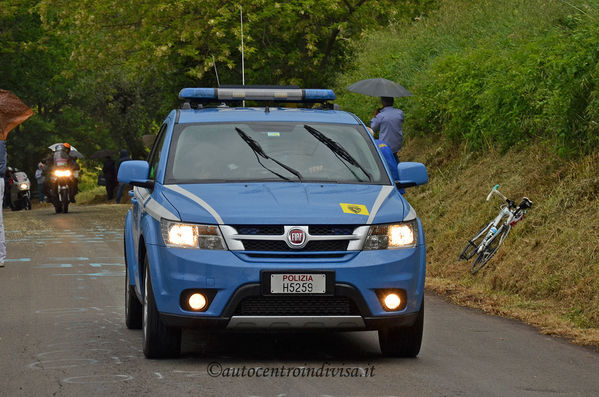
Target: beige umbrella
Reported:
[(12, 112)]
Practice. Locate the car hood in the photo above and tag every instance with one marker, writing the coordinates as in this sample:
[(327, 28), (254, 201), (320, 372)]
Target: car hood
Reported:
[(287, 203)]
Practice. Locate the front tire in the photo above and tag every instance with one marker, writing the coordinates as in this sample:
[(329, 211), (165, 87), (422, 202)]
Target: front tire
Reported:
[(160, 341), (490, 250), (470, 249), (403, 341), (64, 200), (133, 307)]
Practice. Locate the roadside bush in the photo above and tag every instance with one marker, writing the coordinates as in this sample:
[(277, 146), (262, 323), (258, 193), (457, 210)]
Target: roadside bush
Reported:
[(492, 73), (88, 176)]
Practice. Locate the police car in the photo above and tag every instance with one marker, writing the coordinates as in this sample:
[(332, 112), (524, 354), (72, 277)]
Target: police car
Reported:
[(281, 216)]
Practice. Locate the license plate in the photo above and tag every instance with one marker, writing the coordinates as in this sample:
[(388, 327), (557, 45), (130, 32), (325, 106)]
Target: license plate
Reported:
[(298, 283)]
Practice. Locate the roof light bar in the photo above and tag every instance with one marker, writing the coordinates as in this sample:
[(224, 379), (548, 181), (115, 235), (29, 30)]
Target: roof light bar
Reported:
[(256, 94)]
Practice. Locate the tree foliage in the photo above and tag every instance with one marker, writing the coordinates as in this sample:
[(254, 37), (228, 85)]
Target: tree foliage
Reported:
[(295, 41), (102, 73)]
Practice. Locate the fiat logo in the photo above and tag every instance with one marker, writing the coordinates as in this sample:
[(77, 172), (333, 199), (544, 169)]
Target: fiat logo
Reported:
[(296, 237)]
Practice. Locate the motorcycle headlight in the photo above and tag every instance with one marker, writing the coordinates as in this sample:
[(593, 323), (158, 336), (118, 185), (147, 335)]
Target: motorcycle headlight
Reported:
[(392, 236), (23, 186), (187, 235), (62, 173)]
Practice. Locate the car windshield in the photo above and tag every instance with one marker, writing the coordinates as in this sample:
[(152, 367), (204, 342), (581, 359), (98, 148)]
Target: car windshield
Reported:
[(255, 152)]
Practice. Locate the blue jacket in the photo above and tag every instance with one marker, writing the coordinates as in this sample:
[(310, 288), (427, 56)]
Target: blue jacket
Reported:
[(389, 123)]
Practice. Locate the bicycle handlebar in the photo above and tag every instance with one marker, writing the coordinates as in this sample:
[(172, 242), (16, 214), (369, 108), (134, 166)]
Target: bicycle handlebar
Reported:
[(525, 204), (494, 190)]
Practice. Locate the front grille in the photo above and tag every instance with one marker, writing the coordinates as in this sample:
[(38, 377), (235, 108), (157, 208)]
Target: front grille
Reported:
[(277, 230), (273, 230), (331, 230), (296, 306), (296, 256), (279, 245)]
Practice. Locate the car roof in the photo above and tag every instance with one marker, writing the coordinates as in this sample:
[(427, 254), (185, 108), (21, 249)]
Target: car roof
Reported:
[(261, 114)]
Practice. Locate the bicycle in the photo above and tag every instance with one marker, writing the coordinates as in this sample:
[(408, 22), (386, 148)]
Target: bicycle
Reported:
[(488, 240)]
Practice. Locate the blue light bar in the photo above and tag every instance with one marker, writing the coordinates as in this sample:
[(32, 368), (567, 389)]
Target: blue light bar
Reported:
[(319, 95), (197, 93), (256, 94)]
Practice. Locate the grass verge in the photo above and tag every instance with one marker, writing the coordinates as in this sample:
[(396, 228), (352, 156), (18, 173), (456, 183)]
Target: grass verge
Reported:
[(547, 271)]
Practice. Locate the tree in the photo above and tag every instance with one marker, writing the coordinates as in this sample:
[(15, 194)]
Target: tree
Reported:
[(294, 41)]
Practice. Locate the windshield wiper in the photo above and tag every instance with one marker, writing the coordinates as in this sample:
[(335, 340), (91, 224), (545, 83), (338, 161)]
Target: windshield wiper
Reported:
[(258, 151), (338, 150)]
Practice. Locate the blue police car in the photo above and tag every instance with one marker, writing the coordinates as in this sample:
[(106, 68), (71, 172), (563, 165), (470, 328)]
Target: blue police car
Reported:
[(270, 218)]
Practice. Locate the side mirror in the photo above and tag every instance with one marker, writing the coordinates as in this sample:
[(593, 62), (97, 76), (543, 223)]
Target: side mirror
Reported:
[(411, 174), (135, 173)]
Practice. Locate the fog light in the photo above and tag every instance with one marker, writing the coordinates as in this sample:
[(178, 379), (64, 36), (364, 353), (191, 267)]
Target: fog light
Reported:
[(392, 301), (197, 301)]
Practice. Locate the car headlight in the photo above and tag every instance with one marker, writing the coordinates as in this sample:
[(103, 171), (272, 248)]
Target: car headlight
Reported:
[(62, 173), (188, 235), (392, 236)]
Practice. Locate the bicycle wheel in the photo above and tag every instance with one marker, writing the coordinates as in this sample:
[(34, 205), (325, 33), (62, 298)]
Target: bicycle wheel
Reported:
[(472, 246), (492, 246)]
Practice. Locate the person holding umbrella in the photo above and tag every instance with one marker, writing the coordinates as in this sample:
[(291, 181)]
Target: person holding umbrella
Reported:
[(388, 121), (12, 113)]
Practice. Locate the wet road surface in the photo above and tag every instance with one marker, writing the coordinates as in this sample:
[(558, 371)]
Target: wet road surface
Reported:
[(62, 333)]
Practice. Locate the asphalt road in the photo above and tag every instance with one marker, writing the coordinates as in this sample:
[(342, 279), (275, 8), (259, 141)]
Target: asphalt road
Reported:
[(62, 333)]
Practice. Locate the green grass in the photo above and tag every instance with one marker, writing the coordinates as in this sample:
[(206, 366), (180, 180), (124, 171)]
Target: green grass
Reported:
[(547, 271)]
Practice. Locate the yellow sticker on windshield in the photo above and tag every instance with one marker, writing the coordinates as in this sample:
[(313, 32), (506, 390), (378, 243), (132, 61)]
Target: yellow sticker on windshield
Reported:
[(357, 209)]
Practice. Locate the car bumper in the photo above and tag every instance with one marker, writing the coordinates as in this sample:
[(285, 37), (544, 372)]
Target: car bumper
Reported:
[(234, 277), (358, 321)]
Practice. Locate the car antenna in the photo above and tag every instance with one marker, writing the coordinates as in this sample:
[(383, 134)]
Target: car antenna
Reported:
[(215, 71), (242, 61)]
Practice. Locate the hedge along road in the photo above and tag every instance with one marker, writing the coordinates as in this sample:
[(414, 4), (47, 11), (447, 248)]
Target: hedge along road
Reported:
[(62, 333)]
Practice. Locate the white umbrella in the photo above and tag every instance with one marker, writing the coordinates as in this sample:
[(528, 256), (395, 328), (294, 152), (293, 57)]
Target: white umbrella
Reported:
[(74, 152)]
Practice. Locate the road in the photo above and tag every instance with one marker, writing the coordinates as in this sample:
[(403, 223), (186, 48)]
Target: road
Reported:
[(62, 333)]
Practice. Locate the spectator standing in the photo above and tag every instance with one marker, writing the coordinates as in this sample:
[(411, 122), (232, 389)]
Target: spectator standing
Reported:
[(124, 156), (109, 171), (6, 203), (2, 175), (389, 121), (40, 178)]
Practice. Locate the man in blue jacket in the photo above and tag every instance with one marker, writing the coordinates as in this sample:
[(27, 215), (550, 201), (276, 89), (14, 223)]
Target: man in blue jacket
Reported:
[(388, 121)]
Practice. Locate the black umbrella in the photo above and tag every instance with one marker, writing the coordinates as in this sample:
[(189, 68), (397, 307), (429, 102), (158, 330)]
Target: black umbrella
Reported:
[(101, 154), (379, 87)]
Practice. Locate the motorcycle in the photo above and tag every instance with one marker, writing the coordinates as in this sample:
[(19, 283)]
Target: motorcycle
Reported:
[(20, 191), (61, 178)]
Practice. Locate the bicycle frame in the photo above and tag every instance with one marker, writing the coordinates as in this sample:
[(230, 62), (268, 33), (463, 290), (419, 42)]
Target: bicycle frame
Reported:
[(495, 231), (494, 226)]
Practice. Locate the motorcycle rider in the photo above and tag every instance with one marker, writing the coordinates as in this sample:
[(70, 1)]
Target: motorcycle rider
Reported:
[(63, 152)]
